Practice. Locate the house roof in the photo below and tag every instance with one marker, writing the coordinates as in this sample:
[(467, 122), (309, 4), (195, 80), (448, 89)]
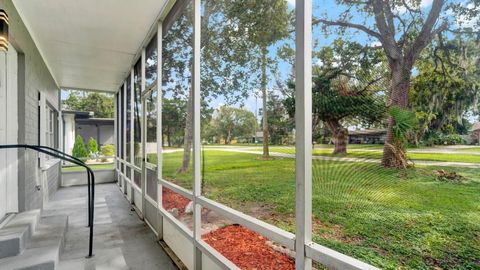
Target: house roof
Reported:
[(103, 121), (475, 126), (78, 114), (371, 131)]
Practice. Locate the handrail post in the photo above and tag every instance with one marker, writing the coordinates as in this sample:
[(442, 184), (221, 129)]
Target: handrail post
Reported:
[(91, 216), (89, 219)]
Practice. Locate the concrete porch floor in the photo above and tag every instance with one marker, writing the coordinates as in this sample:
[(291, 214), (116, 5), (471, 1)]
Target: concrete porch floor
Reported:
[(121, 239)]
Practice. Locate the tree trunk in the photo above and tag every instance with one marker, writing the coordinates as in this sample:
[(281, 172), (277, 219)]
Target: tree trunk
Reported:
[(229, 137), (266, 152), (340, 135), (188, 137), (169, 140), (399, 89)]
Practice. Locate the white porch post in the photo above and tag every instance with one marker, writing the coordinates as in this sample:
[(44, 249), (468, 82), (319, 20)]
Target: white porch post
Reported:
[(115, 133), (197, 181), (143, 132), (159, 131), (69, 133), (124, 132), (303, 138), (132, 134)]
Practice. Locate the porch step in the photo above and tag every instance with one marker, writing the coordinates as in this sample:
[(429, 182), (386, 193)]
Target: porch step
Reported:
[(16, 233), (43, 250)]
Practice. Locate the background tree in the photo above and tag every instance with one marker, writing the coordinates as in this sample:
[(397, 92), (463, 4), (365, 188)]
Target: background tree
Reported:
[(92, 146), (335, 98), (229, 123), (99, 103), (279, 123), (403, 29), (173, 111), (345, 72), (446, 88), (226, 59), (151, 117), (79, 150), (263, 23)]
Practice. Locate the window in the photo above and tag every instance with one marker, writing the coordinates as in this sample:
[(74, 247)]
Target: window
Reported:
[(122, 126), (48, 126), (151, 62), (137, 114), (137, 118), (150, 107), (128, 122), (177, 120), (51, 127)]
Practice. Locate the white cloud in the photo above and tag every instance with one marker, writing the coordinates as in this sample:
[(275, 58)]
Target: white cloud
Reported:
[(291, 2)]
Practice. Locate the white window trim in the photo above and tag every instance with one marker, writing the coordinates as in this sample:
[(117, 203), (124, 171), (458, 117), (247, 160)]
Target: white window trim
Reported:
[(45, 135)]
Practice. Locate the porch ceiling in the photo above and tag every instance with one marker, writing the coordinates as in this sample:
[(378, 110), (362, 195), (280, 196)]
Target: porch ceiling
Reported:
[(89, 44)]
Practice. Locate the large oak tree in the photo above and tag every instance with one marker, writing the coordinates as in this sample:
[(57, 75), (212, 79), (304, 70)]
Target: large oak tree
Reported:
[(403, 28)]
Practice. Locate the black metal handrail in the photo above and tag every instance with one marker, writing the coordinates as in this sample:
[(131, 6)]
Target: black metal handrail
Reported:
[(90, 175)]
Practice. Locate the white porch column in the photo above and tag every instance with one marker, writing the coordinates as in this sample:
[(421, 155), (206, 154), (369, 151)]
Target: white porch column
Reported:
[(124, 132), (69, 134), (303, 138), (197, 180), (159, 130)]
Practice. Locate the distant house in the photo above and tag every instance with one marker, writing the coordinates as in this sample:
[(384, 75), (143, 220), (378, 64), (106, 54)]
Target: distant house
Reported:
[(258, 137), (475, 133), (371, 136), (84, 124)]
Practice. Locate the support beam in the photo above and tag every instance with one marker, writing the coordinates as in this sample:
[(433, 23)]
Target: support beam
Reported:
[(132, 134), (197, 180), (116, 107), (303, 140), (143, 181), (124, 131), (159, 131)]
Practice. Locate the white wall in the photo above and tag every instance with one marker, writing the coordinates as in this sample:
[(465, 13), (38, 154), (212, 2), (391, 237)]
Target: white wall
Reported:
[(33, 77)]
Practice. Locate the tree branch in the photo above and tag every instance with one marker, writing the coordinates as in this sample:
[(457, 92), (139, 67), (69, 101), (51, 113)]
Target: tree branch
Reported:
[(388, 37), (369, 84), (388, 12), (427, 33), (349, 25)]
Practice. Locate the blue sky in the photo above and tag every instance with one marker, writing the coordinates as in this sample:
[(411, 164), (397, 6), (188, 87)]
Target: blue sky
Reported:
[(284, 69), (321, 8)]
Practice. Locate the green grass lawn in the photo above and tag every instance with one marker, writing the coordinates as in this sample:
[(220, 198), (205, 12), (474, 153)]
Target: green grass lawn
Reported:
[(356, 152), (95, 167), (378, 215)]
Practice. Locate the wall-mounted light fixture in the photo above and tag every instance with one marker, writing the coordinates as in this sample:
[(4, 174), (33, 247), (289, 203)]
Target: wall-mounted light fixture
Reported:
[(3, 31)]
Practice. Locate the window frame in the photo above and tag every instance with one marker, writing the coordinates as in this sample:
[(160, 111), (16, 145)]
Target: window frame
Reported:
[(48, 131)]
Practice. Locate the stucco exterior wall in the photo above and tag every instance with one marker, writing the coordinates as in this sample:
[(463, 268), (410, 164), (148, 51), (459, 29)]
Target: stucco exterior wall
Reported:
[(33, 77)]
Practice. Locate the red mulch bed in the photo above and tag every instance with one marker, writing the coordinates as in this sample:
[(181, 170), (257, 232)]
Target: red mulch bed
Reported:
[(172, 200), (247, 249)]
